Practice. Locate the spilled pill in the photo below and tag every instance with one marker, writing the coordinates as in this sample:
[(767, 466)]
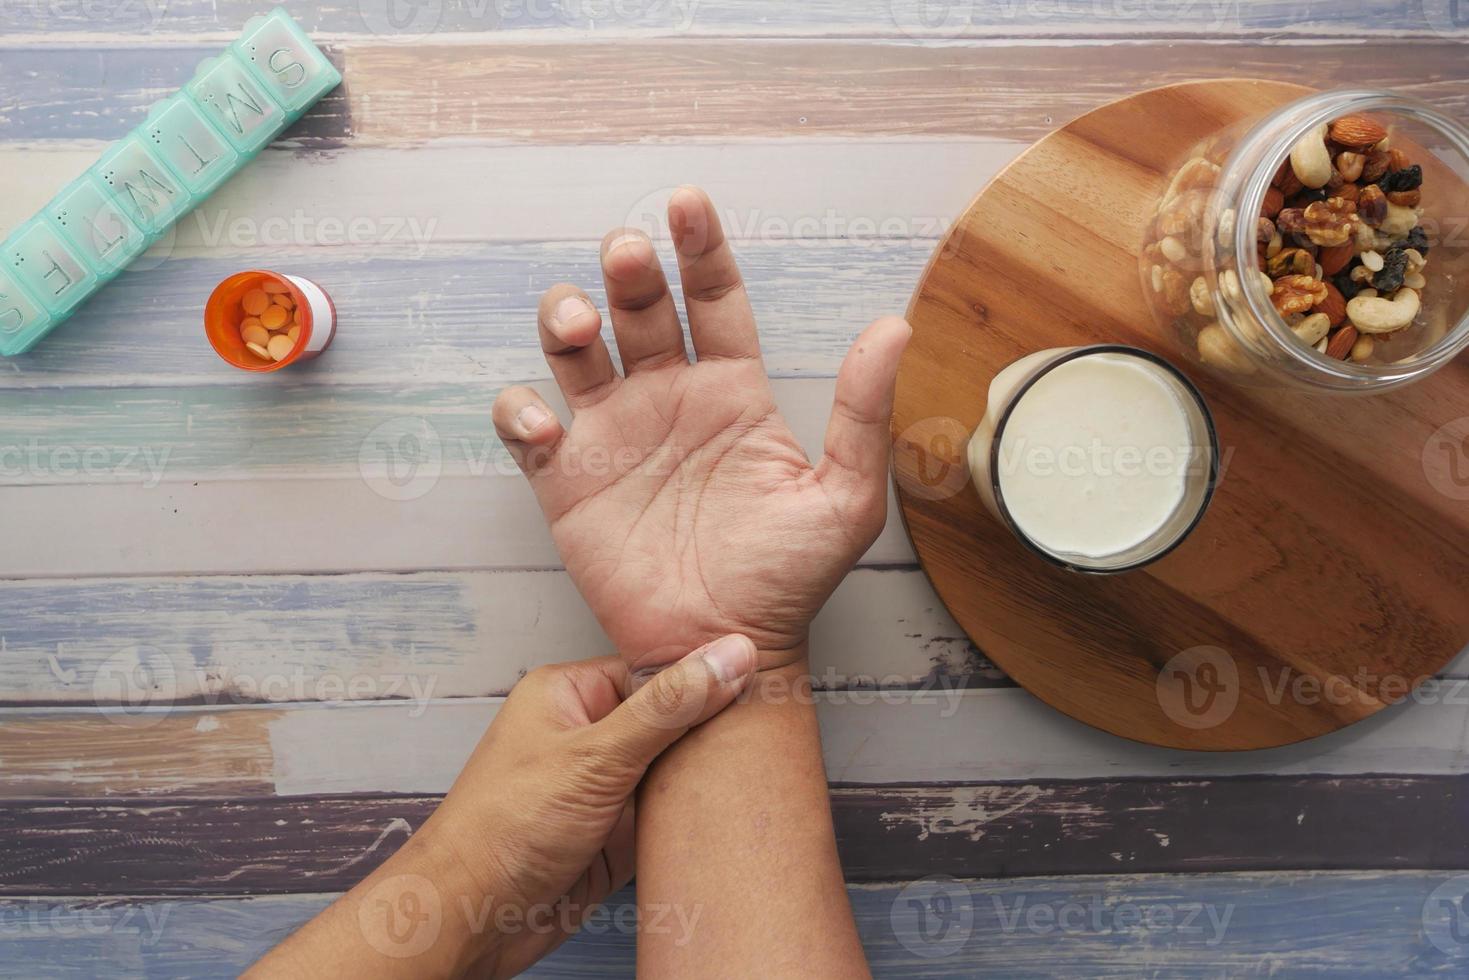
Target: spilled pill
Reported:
[(256, 302)]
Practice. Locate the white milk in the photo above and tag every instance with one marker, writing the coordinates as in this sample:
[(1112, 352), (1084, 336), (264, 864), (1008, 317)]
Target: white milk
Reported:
[(1093, 458)]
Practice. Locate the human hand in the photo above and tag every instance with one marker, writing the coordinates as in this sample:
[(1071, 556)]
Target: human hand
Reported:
[(679, 500), (534, 834)]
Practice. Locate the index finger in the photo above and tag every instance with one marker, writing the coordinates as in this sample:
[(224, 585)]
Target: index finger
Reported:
[(720, 319)]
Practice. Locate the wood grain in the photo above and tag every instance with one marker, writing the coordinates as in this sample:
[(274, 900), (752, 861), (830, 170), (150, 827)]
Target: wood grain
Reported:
[(884, 833), (695, 89), (1197, 927), (1293, 573), (943, 733)]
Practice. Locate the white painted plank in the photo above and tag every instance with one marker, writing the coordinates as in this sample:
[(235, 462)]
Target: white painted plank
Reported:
[(232, 640), (878, 737), (449, 192)]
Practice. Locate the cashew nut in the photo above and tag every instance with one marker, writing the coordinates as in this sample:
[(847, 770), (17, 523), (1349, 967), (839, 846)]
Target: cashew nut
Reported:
[(1399, 221), (1218, 348), (1312, 328), (1198, 294), (1311, 160), (1374, 314)]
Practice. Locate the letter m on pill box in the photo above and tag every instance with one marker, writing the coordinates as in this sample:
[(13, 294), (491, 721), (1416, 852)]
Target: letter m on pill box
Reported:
[(190, 143)]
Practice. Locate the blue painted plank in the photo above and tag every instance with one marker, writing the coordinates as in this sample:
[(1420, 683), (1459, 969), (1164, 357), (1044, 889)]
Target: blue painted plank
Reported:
[(1341, 924)]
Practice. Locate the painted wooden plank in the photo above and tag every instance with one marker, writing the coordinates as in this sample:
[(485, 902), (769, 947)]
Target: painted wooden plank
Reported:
[(1194, 927), (884, 833), (447, 192), (226, 640), (451, 314), (942, 734), (1274, 19), (685, 89)]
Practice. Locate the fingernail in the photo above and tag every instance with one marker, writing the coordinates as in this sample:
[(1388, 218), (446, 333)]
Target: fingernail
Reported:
[(569, 309), (530, 418), (730, 657)]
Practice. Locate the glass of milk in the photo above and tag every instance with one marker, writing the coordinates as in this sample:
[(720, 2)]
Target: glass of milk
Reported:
[(1099, 458)]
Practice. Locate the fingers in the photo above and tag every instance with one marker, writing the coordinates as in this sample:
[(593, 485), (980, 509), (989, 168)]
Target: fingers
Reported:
[(682, 695), (571, 336), (857, 437), (528, 427), (644, 318), (720, 319)]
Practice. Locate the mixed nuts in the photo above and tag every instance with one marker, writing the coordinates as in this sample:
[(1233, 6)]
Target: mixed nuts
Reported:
[(1339, 245)]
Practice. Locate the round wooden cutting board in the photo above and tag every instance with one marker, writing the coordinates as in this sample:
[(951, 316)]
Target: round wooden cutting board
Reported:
[(1331, 572)]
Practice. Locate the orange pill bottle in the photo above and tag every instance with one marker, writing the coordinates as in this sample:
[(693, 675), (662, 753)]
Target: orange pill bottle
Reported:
[(306, 304)]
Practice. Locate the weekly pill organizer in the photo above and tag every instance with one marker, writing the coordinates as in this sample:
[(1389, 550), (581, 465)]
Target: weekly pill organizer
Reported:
[(190, 143)]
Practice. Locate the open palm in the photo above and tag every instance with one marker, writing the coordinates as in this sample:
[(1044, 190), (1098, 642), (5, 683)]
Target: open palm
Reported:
[(678, 498)]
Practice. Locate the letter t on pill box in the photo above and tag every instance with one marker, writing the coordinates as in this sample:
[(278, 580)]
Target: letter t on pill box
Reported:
[(190, 143)]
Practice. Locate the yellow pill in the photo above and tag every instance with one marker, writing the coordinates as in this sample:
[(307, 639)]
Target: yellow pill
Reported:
[(275, 286), (256, 302), (283, 299), (258, 351), (294, 333), (280, 347), (275, 317), (250, 321), (257, 335)]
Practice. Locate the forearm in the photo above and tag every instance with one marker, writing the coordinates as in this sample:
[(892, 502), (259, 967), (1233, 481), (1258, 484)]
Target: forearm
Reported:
[(421, 914), (735, 842)]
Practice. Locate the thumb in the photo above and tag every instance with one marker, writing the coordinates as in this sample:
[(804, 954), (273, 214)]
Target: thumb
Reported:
[(682, 695), (857, 438)]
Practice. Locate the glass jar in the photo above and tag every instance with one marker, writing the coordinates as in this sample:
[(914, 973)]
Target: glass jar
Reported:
[(1350, 269)]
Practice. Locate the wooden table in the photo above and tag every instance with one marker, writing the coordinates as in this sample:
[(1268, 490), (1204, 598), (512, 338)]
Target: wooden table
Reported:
[(334, 576)]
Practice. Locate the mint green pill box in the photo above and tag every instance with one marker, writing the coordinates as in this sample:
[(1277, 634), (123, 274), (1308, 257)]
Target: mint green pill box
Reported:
[(190, 143)]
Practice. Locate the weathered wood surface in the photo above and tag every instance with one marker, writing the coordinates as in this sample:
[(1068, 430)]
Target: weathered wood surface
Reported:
[(1194, 927), (884, 833)]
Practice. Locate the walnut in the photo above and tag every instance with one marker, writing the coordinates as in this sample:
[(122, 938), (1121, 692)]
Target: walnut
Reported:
[(1372, 206), (1291, 262), (1290, 221), (1297, 294), (1331, 222)]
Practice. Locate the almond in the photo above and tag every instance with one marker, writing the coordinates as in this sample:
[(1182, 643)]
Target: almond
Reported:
[(1274, 201), (1335, 258), (1341, 343), (1357, 132), (1334, 306)]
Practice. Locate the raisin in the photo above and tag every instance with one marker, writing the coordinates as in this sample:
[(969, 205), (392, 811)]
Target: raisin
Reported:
[(1344, 283), (1417, 239), (1308, 197), (1394, 267), (1407, 179)]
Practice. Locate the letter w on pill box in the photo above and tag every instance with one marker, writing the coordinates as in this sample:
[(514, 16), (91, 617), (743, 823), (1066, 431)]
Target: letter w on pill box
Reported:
[(191, 142)]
